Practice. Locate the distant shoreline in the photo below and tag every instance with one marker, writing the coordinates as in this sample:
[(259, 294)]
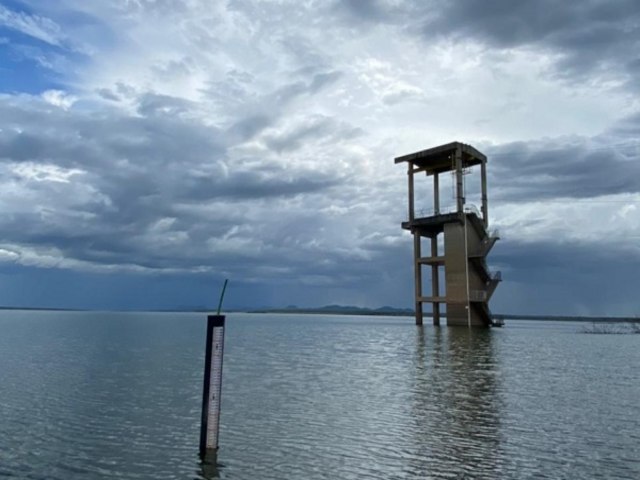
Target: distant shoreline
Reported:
[(337, 310), (498, 316)]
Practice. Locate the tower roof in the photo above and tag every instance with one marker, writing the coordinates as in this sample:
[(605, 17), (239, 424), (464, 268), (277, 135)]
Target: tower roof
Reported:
[(442, 158)]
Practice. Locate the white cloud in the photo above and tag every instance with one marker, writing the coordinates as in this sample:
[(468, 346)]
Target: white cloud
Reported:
[(59, 98), (35, 26), (44, 172)]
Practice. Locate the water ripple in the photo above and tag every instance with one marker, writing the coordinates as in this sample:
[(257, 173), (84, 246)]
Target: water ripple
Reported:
[(118, 396)]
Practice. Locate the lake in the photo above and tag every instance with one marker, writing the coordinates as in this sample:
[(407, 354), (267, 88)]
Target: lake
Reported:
[(87, 395)]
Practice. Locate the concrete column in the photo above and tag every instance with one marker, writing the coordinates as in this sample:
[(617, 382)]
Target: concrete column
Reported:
[(485, 201), (436, 194), (435, 281), (459, 181), (411, 207), (418, 276)]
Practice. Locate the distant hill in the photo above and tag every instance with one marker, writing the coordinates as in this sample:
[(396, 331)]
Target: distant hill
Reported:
[(566, 318), (352, 310), (340, 310), (406, 312)]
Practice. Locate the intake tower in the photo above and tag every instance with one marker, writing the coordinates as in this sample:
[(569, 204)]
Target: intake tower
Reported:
[(465, 243)]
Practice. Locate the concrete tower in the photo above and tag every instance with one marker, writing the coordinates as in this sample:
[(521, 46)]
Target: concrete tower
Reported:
[(467, 241)]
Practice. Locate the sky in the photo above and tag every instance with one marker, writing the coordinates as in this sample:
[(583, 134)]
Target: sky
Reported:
[(150, 149)]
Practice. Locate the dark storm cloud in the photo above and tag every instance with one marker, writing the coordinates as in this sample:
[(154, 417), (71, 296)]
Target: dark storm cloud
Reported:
[(262, 112), (262, 182), (151, 104), (151, 190), (369, 10), (108, 94), (307, 56), (506, 23), (596, 36), (574, 167), (629, 128), (590, 35), (311, 128), (564, 278), (248, 128)]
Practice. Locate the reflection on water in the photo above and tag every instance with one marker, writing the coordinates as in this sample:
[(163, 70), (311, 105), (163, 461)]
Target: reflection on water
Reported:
[(209, 467), (455, 404), (88, 395)]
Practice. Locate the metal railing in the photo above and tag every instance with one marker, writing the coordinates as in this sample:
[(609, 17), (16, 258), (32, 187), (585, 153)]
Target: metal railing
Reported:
[(471, 208), (430, 212)]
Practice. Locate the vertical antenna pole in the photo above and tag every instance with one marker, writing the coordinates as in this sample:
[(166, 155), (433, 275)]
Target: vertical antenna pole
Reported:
[(224, 289)]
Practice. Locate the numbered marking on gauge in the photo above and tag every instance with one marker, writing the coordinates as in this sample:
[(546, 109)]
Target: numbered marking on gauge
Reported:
[(212, 386), (215, 386)]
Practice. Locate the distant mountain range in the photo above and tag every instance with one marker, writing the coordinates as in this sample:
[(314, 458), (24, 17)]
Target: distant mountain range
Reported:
[(352, 310), (407, 312), (340, 310)]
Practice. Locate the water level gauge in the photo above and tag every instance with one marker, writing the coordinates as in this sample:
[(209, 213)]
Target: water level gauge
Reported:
[(212, 387)]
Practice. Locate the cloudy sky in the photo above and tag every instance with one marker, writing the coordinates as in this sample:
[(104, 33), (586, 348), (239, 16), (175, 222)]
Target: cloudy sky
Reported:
[(151, 148)]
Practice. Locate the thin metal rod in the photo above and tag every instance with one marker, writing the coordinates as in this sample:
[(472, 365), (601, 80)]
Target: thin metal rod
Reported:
[(224, 288)]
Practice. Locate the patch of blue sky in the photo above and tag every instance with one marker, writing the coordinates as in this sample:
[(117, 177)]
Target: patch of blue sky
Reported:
[(15, 5), (41, 57), (28, 65)]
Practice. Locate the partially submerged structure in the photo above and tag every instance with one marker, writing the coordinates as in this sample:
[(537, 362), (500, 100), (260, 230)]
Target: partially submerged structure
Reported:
[(466, 239)]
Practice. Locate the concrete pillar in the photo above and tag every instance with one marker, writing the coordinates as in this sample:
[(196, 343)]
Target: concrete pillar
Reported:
[(485, 201), (436, 194), (435, 281), (411, 206), (459, 181), (418, 276)]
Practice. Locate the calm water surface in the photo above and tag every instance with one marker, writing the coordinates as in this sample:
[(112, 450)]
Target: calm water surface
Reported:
[(114, 395)]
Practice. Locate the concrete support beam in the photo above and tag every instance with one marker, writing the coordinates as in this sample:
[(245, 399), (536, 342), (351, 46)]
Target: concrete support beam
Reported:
[(435, 280), (433, 260), (436, 194), (485, 201), (418, 276), (411, 195), (434, 300), (459, 180)]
